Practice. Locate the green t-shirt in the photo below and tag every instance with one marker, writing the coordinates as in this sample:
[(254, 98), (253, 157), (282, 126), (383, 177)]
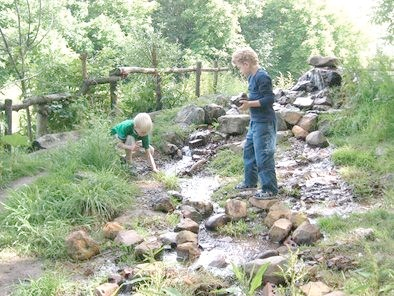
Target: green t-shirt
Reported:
[(126, 128)]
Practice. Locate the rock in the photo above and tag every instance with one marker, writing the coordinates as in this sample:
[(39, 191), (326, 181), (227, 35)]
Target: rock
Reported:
[(191, 114), (297, 218), (174, 138), (299, 132), (303, 102), (266, 254), (291, 115), (308, 122), (187, 251), (213, 112), (187, 224), (276, 214), (273, 272), (280, 122), (49, 141), (205, 208), (323, 101), (106, 289), (280, 230), (319, 61), (80, 246), (151, 246), (191, 213), (262, 204), (169, 238), (163, 204), (172, 150), (233, 124), (317, 139), (283, 136), (364, 233), (217, 221), (128, 238), (236, 209), (111, 229), (315, 289), (202, 138), (269, 290), (219, 262), (306, 234), (186, 236)]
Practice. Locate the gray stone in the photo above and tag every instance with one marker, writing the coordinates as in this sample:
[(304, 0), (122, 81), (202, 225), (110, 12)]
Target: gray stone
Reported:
[(306, 234), (128, 238), (273, 272), (236, 209), (213, 112), (233, 124), (317, 139), (191, 114), (216, 221)]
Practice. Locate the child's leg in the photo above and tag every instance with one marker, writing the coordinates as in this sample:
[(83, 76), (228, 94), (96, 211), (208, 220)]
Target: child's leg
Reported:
[(129, 141)]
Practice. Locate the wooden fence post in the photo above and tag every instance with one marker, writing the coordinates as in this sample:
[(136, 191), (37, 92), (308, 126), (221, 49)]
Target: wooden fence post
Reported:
[(112, 90), (8, 116), (198, 78), (155, 64), (29, 130), (215, 77), (42, 120)]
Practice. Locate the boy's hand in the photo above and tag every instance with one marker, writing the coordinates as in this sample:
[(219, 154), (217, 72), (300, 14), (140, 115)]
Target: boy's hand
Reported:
[(245, 105)]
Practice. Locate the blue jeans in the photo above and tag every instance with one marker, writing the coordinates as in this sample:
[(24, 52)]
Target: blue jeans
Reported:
[(259, 152)]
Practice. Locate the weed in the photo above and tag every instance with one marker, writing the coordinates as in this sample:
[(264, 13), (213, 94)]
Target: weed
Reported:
[(249, 283), (235, 228), (294, 274), (170, 182), (51, 284)]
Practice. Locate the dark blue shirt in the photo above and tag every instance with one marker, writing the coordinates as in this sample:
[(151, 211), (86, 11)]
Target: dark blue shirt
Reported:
[(260, 88)]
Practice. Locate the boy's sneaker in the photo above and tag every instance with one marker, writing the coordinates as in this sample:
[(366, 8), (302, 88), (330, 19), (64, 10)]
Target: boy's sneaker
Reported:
[(243, 186), (264, 195)]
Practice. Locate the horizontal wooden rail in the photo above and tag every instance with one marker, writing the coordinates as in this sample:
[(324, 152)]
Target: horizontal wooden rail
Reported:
[(38, 100), (124, 71)]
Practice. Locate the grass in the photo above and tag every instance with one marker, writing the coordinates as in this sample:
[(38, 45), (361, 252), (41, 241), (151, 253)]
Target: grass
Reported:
[(227, 163), (18, 164), (375, 273), (83, 187)]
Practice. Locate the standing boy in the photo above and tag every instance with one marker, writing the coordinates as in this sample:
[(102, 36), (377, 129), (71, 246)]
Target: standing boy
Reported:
[(259, 149), (130, 131)]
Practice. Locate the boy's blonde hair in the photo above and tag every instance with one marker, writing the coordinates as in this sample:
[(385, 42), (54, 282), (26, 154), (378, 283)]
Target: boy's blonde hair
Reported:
[(245, 54), (143, 122)]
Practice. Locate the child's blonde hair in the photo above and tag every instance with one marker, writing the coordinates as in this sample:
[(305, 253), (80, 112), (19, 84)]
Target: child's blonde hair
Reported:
[(143, 122), (245, 54)]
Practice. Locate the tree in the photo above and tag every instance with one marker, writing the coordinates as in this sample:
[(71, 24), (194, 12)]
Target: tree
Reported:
[(288, 32), (384, 15), (206, 27)]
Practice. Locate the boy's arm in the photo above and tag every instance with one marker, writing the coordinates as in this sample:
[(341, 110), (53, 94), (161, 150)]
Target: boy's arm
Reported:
[(151, 161)]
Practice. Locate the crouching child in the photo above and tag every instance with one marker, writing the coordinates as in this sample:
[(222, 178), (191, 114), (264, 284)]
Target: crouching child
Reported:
[(130, 131)]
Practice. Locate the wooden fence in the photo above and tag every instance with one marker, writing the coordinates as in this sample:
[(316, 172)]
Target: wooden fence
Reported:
[(114, 77)]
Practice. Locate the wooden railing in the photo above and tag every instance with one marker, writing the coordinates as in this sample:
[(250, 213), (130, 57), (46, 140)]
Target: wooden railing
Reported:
[(114, 77)]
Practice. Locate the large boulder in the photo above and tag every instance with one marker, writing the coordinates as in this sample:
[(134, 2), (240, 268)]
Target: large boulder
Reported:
[(190, 114), (233, 124)]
